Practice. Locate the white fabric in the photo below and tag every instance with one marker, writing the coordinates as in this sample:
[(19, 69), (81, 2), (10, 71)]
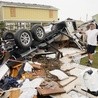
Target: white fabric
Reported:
[(90, 81), (29, 93), (31, 84), (28, 88), (60, 74), (92, 37), (28, 67)]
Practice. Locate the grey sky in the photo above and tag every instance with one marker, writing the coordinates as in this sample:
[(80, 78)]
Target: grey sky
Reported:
[(76, 9)]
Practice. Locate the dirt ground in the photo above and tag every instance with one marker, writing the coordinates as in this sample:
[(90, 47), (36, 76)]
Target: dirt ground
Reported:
[(48, 64)]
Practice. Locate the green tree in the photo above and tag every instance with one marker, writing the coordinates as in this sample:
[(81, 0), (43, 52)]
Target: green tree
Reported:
[(2, 25)]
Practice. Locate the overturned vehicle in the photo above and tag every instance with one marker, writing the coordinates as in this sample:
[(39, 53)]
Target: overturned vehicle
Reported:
[(23, 41)]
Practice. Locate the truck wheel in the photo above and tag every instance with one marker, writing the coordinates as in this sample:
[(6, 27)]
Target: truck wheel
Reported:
[(7, 35), (38, 32), (23, 38)]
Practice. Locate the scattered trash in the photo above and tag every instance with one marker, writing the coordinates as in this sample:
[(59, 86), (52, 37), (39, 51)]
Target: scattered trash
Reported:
[(76, 94), (90, 78), (76, 59), (60, 74), (46, 76), (28, 88), (28, 67), (48, 88), (8, 82), (3, 70)]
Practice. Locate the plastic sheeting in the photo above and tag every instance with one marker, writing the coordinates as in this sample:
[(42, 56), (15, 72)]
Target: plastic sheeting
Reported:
[(28, 88), (89, 78)]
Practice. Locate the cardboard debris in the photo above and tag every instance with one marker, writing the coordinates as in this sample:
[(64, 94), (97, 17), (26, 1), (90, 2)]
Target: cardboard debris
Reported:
[(28, 75), (34, 74), (11, 93), (15, 70), (14, 94)]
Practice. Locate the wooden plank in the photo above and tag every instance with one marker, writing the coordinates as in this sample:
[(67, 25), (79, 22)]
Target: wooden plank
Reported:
[(48, 88), (49, 91)]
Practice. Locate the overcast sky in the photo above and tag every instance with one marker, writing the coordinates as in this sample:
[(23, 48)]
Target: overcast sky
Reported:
[(76, 9)]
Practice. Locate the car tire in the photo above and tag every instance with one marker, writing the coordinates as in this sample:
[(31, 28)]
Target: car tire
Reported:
[(23, 38), (38, 32), (7, 35)]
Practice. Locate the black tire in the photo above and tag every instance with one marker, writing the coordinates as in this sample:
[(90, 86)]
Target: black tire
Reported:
[(7, 35), (38, 32), (23, 38)]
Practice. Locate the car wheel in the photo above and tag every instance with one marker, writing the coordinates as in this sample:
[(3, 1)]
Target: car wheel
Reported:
[(23, 38), (38, 32), (7, 35)]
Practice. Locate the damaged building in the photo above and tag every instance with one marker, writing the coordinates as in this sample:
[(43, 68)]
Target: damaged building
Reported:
[(22, 15)]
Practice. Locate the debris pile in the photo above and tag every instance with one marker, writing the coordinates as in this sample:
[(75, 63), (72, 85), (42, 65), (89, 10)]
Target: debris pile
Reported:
[(30, 78), (45, 77)]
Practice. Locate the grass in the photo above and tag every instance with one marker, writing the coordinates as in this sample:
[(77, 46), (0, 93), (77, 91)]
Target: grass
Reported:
[(95, 62)]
